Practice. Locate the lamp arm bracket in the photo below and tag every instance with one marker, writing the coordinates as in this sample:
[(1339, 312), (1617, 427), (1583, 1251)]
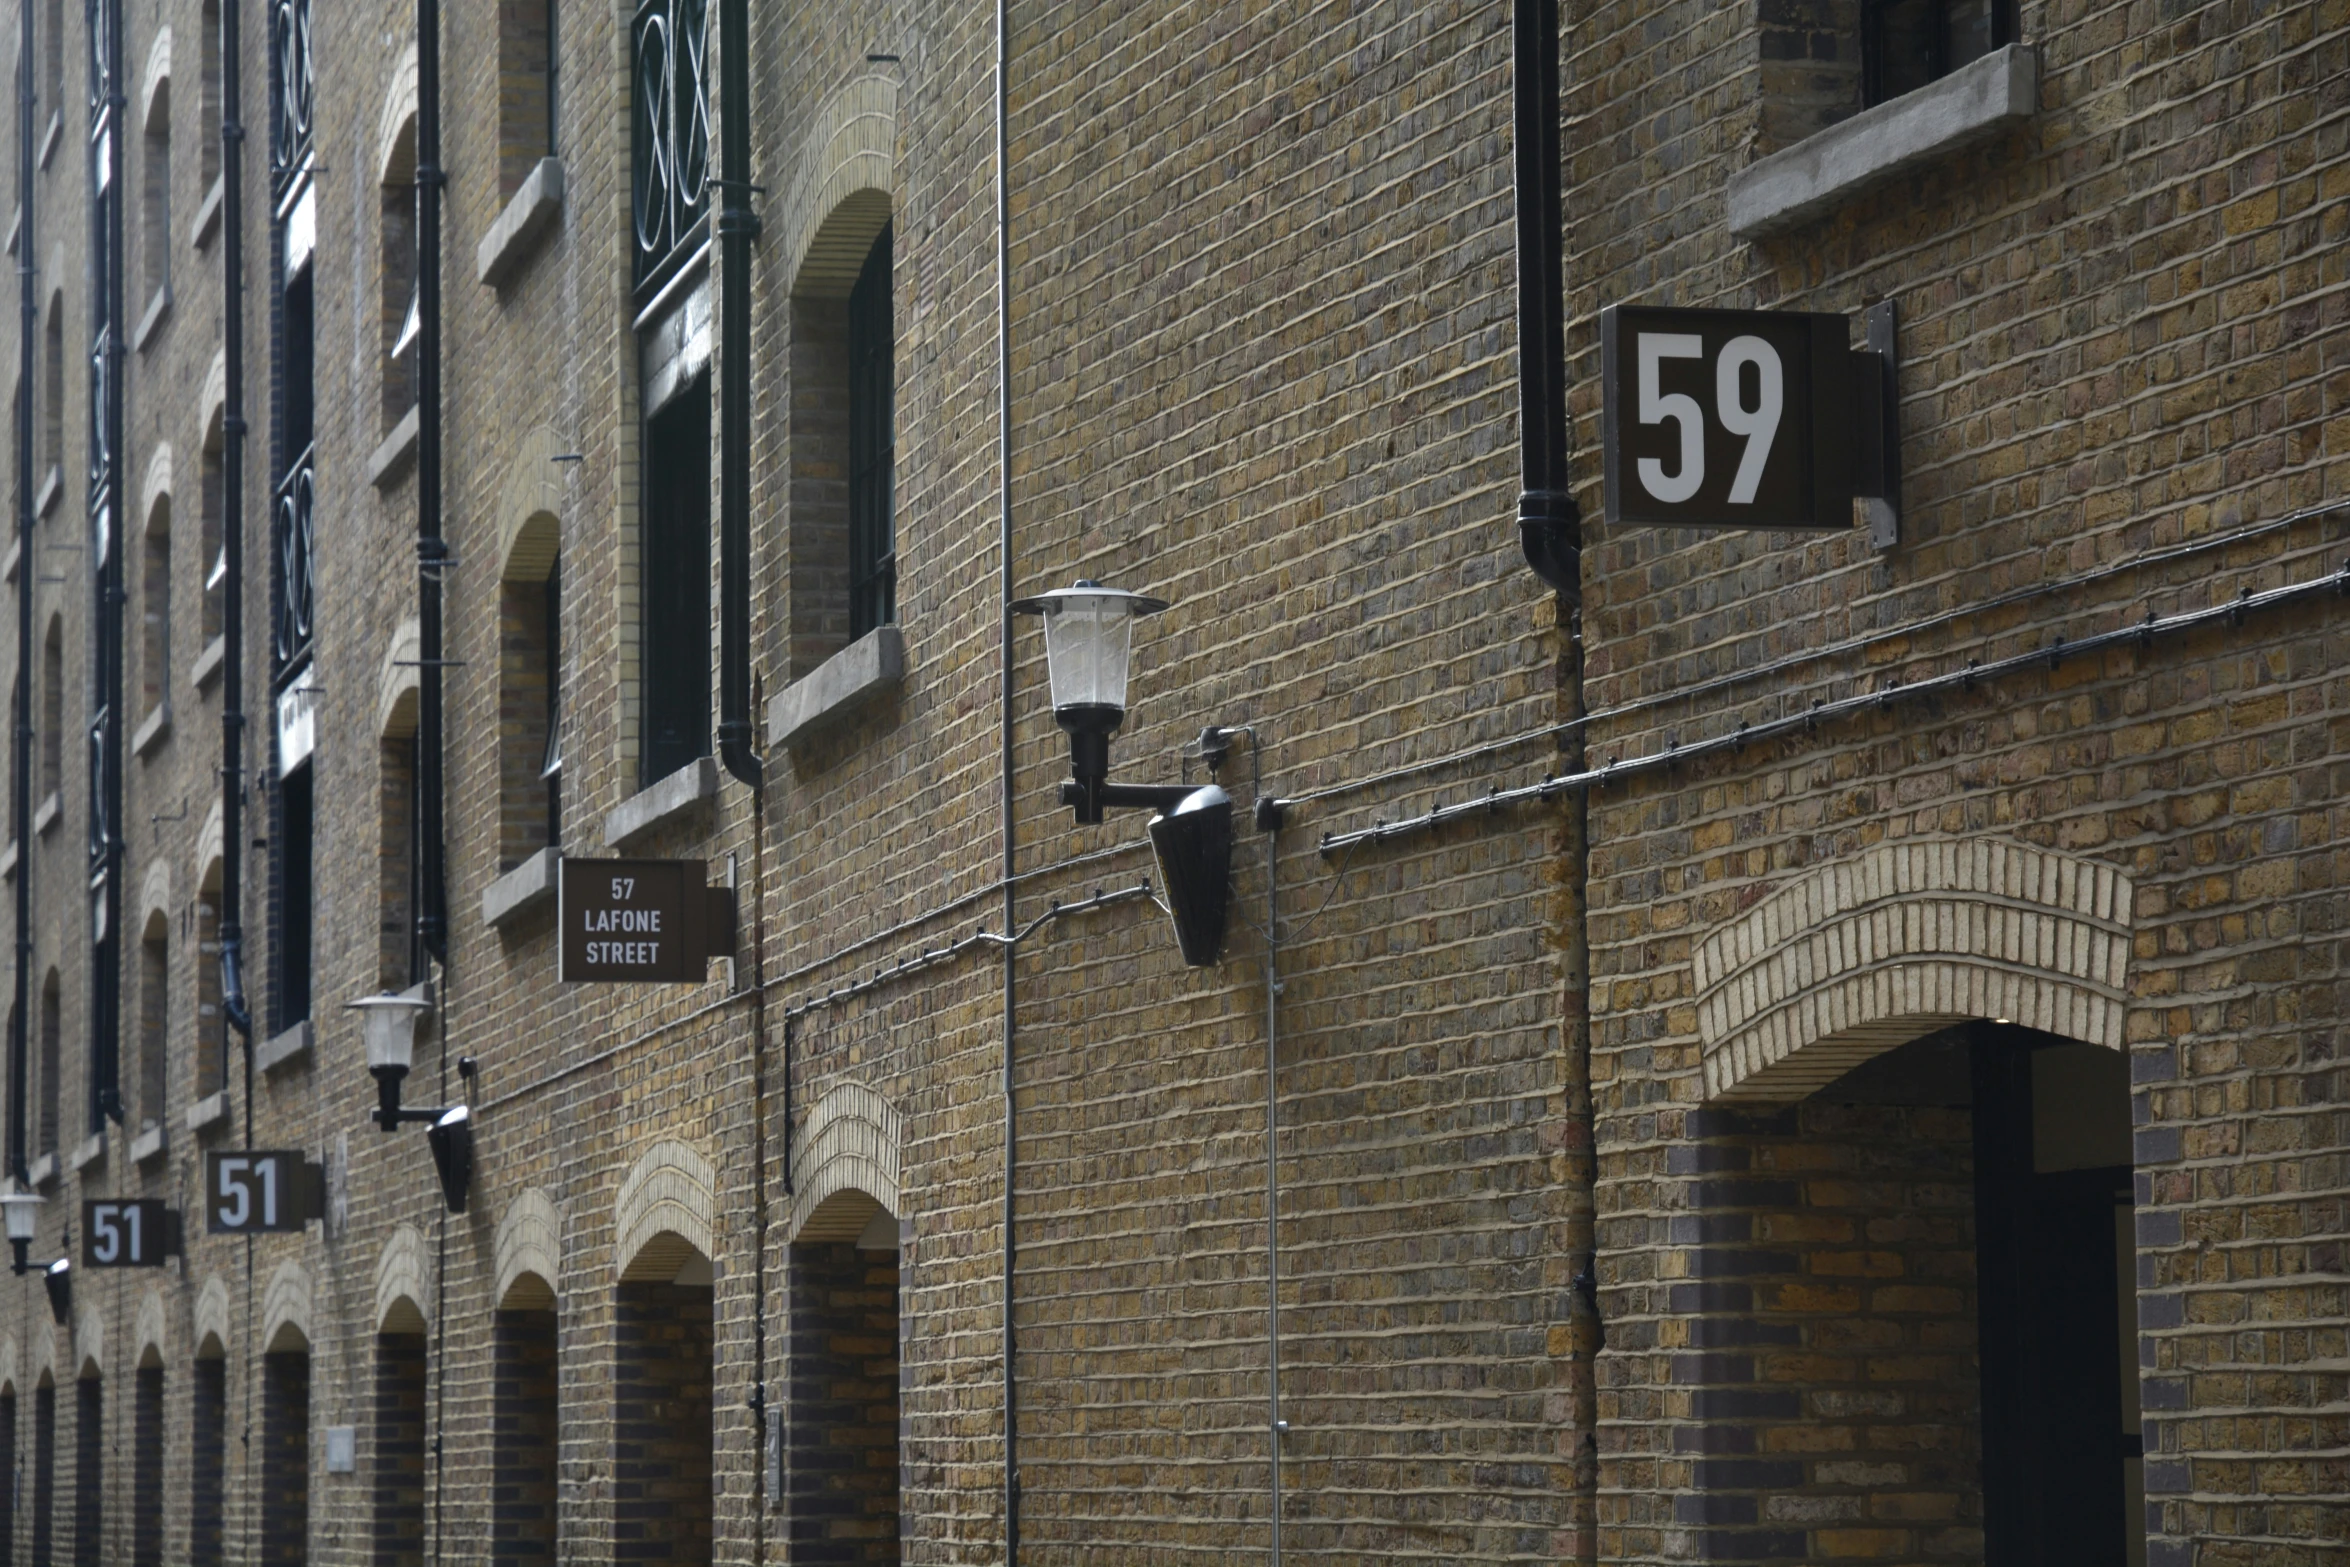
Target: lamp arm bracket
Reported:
[(1141, 797)]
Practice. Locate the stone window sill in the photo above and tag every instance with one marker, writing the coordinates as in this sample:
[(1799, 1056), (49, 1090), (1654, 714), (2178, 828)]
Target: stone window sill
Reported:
[(45, 817), (148, 1146), (157, 308), (675, 797), (8, 859), (42, 1171), (1823, 172), (529, 217), (52, 485), (15, 554), (49, 136), (208, 663), (151, 730), (522, 891), (208, 214), (15, 227), (869, 667), (289, 1049), (91, 1153), (397, 454), (208, 1112)]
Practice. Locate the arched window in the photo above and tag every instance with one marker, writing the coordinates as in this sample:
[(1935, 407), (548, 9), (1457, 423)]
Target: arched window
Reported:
[(526, 1426), (52, 716), (155, 611), (47, 1062), (155, 208), (873, 551), (530, 611), (1908, 43), (397, 1527), (154, 1022), (398, 306), (51, 465)]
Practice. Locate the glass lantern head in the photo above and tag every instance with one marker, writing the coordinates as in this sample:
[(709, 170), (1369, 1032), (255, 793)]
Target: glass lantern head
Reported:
[(23, 1210), (1088, 643), (391, 1030)]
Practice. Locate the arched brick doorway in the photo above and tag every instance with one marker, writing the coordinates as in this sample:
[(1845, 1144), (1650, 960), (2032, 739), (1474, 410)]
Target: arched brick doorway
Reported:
[(841, 1448)]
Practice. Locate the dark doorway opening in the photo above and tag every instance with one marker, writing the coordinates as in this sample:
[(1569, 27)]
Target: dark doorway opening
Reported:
[(662, 1396), (285, 1458), (2055, 1266), (841, 1462), (523, 1501), (147, 1468), (398, 1535)]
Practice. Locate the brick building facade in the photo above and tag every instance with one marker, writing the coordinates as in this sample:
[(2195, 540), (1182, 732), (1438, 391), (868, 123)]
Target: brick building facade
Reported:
[(1863, 1136)]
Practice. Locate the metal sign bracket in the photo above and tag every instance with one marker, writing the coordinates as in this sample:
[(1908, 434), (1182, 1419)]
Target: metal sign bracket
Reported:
[(1875, 374)]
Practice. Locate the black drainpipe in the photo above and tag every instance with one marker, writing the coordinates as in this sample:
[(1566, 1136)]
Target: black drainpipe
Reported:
[(738, 225), (236, 1012), (1551, 534), (432, 551), (107, 864), (21, 759), (1008, 585), (1549, 525)]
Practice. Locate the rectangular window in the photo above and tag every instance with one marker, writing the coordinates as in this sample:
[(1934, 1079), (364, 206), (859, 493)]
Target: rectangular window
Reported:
[(526, 89), (295, 909), (1907, 43), (676, 557), (873, 560)]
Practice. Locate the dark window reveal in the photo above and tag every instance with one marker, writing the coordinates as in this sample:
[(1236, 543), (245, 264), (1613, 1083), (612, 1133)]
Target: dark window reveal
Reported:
[(676, 622), (873, 559), (293, 859), (1908, 43)]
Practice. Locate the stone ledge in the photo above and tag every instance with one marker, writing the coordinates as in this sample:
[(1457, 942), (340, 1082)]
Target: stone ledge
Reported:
[(52, 483), (392, 459), (148, 1146), (528, 218), (8, 859), (157, 308), (91, 1153), (682, 792), (522, 891), (42, 1170), (288, 1049), (8, 562), (208, 1112), (1823, 172), (151, 730), (873, 664), (46, 814), (207, 214), (208, 662)]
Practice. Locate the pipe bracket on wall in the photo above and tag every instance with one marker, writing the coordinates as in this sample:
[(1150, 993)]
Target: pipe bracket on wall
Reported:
[(1879, 382)]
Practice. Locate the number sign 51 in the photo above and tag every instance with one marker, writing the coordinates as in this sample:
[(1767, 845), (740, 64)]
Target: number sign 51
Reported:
[(249, 1193), (1734, 418), (128, 1233)]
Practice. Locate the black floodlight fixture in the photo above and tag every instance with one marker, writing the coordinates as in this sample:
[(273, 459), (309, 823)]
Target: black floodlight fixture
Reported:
[(1193, 843), (390, 1033), (57, 1279), (1088, 648), (452, 1153)]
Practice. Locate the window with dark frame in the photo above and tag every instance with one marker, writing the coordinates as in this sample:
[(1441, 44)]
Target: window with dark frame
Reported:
[(294, 896), (676, 577), (551, 764), (873, 560), (1907, 43)]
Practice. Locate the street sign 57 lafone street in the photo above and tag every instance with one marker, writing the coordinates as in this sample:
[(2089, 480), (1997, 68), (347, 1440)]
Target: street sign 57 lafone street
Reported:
[(643, 920), (1738, 418)]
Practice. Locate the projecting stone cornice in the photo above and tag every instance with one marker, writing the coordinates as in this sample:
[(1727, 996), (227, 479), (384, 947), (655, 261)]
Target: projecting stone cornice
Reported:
[(1856, 957)]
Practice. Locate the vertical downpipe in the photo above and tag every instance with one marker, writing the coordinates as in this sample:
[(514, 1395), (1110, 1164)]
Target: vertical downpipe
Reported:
[(106, 803), (21, 757), (236, 1013), (738, 225), (432, 552), (1003, 348), (1550, 533)]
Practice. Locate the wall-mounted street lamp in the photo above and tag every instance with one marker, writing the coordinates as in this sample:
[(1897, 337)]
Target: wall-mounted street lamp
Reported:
[(23, 1211), (1088, 649), (390, 1032)]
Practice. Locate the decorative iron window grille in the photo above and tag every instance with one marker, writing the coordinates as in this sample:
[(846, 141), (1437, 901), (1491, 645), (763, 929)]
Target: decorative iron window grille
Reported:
[(670, 117), (296, 528), (1908, 43), (291, 98), (873, 557), (101, 398)]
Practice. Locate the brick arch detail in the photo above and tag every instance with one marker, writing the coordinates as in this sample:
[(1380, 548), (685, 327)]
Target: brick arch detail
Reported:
[(154, 896), (155, 487), (398, 114), (1861, 955), (399, 1283), (11, 1364), (149, 1336), (396, 683), (529, 1246), (89, 1342), (212, 1314), (285, 1310), (208, 848), (666, 1205), (530, 500), (846, 1165), (212, 401), (846, 186), (156, 77), (44, 1366)]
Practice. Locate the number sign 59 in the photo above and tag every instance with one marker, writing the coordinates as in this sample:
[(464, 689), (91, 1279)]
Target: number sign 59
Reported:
[(128, 1233), (258, 1193), (1728, 418)]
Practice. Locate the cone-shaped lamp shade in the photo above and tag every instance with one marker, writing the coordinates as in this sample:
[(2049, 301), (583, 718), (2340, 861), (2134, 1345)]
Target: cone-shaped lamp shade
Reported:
[(58, 1281), (1194, 846), (1089, 642), (452, 1154)]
